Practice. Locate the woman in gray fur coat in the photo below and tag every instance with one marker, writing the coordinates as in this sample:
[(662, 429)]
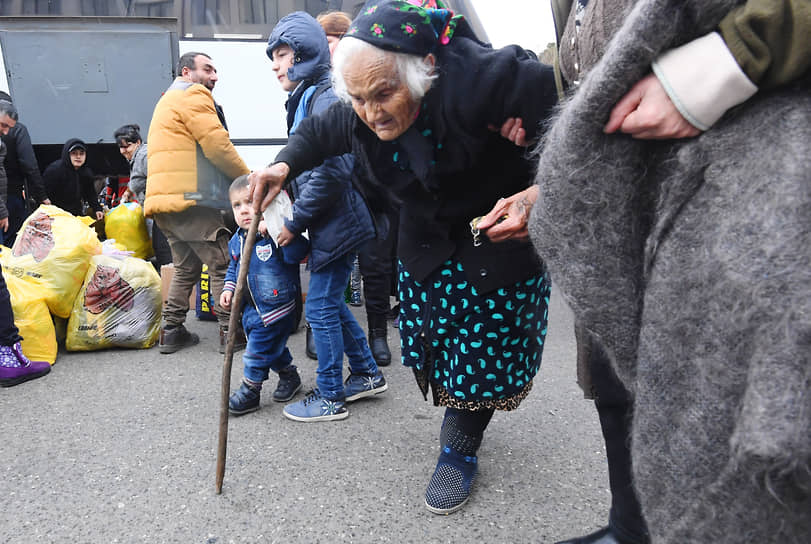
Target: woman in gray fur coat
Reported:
[(690, 261)]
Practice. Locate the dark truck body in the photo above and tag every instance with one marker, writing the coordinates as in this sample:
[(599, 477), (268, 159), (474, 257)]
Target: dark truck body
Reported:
[(83, 77)]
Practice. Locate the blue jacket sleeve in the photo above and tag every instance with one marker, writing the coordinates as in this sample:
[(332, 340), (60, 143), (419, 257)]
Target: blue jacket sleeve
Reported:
[(230, 283), (320, 187)]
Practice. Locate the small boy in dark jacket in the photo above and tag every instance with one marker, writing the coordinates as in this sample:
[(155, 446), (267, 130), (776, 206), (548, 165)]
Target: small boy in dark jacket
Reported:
[(270, 303)]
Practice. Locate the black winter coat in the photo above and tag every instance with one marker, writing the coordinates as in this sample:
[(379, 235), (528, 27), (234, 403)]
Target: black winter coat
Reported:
[(469, 169), (21, 163)]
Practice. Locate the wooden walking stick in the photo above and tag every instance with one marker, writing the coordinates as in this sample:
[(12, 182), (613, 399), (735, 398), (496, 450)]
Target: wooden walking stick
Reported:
[(233, 326)]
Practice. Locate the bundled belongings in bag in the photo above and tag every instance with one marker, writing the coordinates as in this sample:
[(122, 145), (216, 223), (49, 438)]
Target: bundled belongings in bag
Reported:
[(53, 249), (119, 305), (32, 318), (126, 225)]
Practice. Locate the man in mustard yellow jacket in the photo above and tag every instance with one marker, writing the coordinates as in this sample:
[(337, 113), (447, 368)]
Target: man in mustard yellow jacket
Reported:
[(190, 165)]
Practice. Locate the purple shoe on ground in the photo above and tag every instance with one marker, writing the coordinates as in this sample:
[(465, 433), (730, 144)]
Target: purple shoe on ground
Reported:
[(16, 368)]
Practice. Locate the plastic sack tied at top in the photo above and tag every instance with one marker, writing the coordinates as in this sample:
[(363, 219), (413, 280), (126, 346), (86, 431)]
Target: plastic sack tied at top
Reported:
[(119, 306), (53, 250), (126, 225), (32, 318)]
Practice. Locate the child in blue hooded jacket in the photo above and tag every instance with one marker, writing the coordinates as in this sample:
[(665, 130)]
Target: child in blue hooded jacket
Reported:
[(270, 303), (325, 203)]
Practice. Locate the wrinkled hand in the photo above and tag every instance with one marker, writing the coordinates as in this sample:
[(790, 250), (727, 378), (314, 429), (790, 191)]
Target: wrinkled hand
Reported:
[(4, 224), (512, 130), (647, 112), (265, 184), (225, 299), (285, 237), (514, 226)]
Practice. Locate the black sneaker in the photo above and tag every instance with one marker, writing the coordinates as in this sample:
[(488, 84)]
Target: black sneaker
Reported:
[(289, 384), (244, 400), (176, 338)]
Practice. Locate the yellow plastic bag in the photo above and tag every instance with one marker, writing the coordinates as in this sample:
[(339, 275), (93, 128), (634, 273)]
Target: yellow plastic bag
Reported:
[(32, 318), (119, 305), (126, 225), (53, 249)]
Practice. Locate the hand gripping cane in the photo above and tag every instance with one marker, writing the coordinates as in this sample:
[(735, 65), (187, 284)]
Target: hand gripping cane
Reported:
[(233, 326)]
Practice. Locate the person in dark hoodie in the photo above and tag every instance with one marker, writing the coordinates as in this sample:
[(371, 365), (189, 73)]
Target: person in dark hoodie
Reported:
[(335, 214), (69, 180)]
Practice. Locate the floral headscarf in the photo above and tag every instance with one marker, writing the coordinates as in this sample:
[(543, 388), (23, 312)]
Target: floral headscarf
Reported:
[(405, 26)]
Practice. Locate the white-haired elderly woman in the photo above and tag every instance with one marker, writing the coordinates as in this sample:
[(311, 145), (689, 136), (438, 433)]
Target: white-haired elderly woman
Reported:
[(419, 95)]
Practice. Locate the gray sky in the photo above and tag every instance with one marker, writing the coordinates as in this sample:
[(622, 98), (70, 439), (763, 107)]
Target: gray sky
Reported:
[(525, 22)]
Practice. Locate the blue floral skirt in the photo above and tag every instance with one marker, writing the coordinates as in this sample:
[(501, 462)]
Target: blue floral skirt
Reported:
[(476, 351)]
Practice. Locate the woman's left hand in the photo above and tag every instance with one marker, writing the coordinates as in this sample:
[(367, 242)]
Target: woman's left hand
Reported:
[(515, 211)]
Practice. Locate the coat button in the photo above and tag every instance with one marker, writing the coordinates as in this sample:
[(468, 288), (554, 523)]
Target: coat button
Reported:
[(483, 272)]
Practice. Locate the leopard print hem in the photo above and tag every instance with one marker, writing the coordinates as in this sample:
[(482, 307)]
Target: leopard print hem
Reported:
[(442, 398)]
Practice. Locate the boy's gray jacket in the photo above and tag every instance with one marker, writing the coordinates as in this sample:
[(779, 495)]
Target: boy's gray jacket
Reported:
[(690, 261)]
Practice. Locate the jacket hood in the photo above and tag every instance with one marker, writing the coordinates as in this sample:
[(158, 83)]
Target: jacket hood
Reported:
[(66, 151), (307, 39)]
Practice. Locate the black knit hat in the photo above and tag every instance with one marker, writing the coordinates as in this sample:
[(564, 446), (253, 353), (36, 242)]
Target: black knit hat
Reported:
[(415, 27)]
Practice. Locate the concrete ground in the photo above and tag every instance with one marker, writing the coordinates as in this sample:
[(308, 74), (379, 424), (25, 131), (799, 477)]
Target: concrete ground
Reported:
[(120, 446)]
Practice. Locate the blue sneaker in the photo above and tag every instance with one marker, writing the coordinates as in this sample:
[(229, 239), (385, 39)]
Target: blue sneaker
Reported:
[(449, 488), (358, 386), (314, 407)]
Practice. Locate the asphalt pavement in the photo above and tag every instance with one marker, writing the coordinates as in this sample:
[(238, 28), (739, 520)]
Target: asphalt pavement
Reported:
[(120, 446)]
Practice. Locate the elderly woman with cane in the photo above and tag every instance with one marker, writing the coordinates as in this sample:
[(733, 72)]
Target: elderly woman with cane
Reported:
[(419, 97)]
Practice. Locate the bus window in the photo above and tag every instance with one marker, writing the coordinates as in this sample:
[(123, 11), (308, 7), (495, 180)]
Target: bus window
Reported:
[(241, 18), (203, 19), (91, 8)]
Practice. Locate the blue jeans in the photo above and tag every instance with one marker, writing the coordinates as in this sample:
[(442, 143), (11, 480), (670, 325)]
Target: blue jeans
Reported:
[(335, 329), (267, 346)]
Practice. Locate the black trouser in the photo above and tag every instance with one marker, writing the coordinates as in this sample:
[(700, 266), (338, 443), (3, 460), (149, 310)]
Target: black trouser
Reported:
[(9, 334), (615, 407), (160, 246), (377, 266)]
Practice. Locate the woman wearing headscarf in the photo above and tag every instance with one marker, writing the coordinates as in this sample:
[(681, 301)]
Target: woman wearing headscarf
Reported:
[(418, 94), (128, 139)]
